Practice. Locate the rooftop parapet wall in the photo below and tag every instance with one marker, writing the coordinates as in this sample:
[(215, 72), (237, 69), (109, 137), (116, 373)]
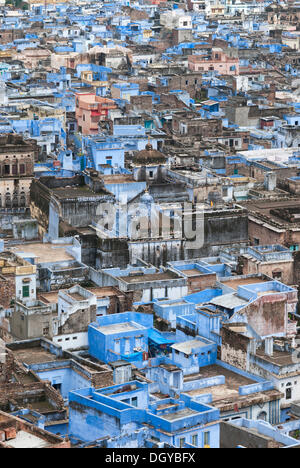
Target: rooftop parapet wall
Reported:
[(269, 253), (255, 388)]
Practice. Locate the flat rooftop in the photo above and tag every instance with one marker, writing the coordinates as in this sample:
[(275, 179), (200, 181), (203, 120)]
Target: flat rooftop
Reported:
[(35, 355), (187, 346), (119, 328), (229, 301), (235, 283), (277, 155), (178, 414), (232, 382), (76, 296), (119, 179), (148, 277), (48, 297), (280, 358), (103, 292), (172, 304), (218, 392), (280, 210), (193, 272), (26, 440), (75, 192), (44, 253)]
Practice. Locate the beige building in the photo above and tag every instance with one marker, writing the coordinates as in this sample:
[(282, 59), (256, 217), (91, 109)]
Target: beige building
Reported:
[(291, 41), (16, 172)]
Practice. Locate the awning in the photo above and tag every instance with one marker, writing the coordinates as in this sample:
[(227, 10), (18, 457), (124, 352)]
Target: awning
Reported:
[(158, 338)]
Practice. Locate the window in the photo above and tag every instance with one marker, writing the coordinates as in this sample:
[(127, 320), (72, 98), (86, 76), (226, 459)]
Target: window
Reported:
[(127, 346), (288, 393), (256, 241), (277, 275), (117, 346), (138, 342), (25, 291), (57, 387), (22, 199), (195, 440), (181, 442), (134, 401), (206, 439)]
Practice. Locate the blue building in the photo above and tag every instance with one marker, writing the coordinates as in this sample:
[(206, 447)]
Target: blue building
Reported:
[(126, 416), (120, 336), (104, 151), (193, 354)]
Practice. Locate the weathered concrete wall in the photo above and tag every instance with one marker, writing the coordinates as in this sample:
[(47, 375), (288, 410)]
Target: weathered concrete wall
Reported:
[(24, 327), (201, 282), (79, 321), (267, 315), (234, 348), (231, 436), (285, 268)]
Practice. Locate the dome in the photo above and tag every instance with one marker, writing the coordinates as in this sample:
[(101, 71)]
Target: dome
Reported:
[(146, 198), (149, 156)]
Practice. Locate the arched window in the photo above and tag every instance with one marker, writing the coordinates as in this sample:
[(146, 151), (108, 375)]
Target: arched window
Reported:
[(262, 416), (15, 201), (22, 199), (7, 200)]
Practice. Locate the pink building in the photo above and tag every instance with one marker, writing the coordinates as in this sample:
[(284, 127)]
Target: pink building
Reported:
[(90, 110), (218, 61)]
